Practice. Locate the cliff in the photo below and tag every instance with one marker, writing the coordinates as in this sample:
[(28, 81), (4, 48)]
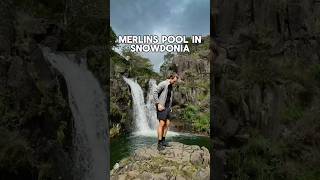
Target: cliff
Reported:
[(36, 121), (191, 94), (266, 80), (179, 161)]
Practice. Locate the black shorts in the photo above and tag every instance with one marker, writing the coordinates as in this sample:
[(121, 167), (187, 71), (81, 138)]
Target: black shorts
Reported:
[(164, 115)]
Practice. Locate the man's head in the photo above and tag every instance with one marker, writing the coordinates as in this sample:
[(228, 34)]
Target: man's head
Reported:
[(173, 78)]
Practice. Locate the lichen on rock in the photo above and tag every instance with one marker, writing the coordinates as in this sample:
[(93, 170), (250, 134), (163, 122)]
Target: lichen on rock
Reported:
[(179, 161)]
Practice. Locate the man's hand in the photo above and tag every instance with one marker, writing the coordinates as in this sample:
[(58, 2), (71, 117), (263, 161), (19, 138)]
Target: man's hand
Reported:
[(160, 107)]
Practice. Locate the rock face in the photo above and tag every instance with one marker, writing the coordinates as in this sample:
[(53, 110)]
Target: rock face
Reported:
[(191, 93), (266, 79), (262, 47), (36, 123), (176, 162)]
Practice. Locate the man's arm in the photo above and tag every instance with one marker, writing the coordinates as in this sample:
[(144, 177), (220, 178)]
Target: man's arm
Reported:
[(156, 92)]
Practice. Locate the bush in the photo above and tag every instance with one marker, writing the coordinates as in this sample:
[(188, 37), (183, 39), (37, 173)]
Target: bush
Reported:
[(200, 121), (203, 123), (190, 113)]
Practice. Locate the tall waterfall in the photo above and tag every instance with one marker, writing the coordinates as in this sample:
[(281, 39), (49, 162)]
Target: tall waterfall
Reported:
[(139, 107), (87, 102), (145, 114), (151, 109)]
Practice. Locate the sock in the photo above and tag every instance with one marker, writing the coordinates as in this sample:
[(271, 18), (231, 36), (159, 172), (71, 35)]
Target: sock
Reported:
[(159, 141), (163, 138)]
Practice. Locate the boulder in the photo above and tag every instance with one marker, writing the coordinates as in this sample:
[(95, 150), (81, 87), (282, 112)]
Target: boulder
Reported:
[(179, 161)]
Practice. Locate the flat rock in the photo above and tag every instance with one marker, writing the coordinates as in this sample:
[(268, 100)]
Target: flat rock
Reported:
[(179, 161)]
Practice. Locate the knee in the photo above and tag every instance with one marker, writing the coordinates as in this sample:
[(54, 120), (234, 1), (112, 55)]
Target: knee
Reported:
[(162, 124)]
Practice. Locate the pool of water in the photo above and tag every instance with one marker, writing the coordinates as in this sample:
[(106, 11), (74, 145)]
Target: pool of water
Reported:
[(124, 146)]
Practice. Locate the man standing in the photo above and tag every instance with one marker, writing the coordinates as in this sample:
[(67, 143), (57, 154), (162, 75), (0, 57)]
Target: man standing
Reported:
[(163, 98)]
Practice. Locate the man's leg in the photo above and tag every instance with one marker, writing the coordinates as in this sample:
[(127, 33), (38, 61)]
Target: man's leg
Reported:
[(160, 134), (165, 128), (161, 129)]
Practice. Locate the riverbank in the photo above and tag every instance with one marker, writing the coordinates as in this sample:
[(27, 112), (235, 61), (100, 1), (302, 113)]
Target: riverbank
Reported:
[(180, 161)]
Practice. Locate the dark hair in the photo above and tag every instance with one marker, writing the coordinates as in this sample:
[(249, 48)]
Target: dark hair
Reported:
[(173, 75)]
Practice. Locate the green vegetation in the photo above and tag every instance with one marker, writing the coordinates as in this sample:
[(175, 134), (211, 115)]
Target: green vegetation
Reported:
[(266, 159), (280, 88), (196, 50), (166, 65), (138, 65), (200, 120)]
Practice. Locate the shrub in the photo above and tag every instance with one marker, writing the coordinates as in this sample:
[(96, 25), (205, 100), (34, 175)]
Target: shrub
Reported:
[(202, 124), (190, 113), (200, 121)]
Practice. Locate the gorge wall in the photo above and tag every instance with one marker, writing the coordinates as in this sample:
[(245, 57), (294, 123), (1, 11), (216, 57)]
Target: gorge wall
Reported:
[(266, 79), (191, 96), (36, 122)]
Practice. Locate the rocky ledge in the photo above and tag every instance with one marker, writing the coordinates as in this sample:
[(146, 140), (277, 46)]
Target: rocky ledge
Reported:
[(177, 162)]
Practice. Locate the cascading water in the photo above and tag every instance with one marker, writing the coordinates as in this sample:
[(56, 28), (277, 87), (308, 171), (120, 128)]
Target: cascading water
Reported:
[(151, 108), (145, 115), (87, 102), (139, 110)]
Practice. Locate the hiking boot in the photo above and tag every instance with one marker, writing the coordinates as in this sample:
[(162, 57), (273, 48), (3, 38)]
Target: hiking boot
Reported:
[(166, 144), (160, 147)]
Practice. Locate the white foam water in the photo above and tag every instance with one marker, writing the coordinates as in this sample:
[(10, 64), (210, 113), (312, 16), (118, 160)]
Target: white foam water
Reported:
[(150, 105), (139, 111), (89, 110), (145, 115)]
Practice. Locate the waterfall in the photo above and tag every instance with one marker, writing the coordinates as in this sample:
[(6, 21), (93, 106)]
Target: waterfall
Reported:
[(87, 103), (145, 115), (151, 108), (139, 107)]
